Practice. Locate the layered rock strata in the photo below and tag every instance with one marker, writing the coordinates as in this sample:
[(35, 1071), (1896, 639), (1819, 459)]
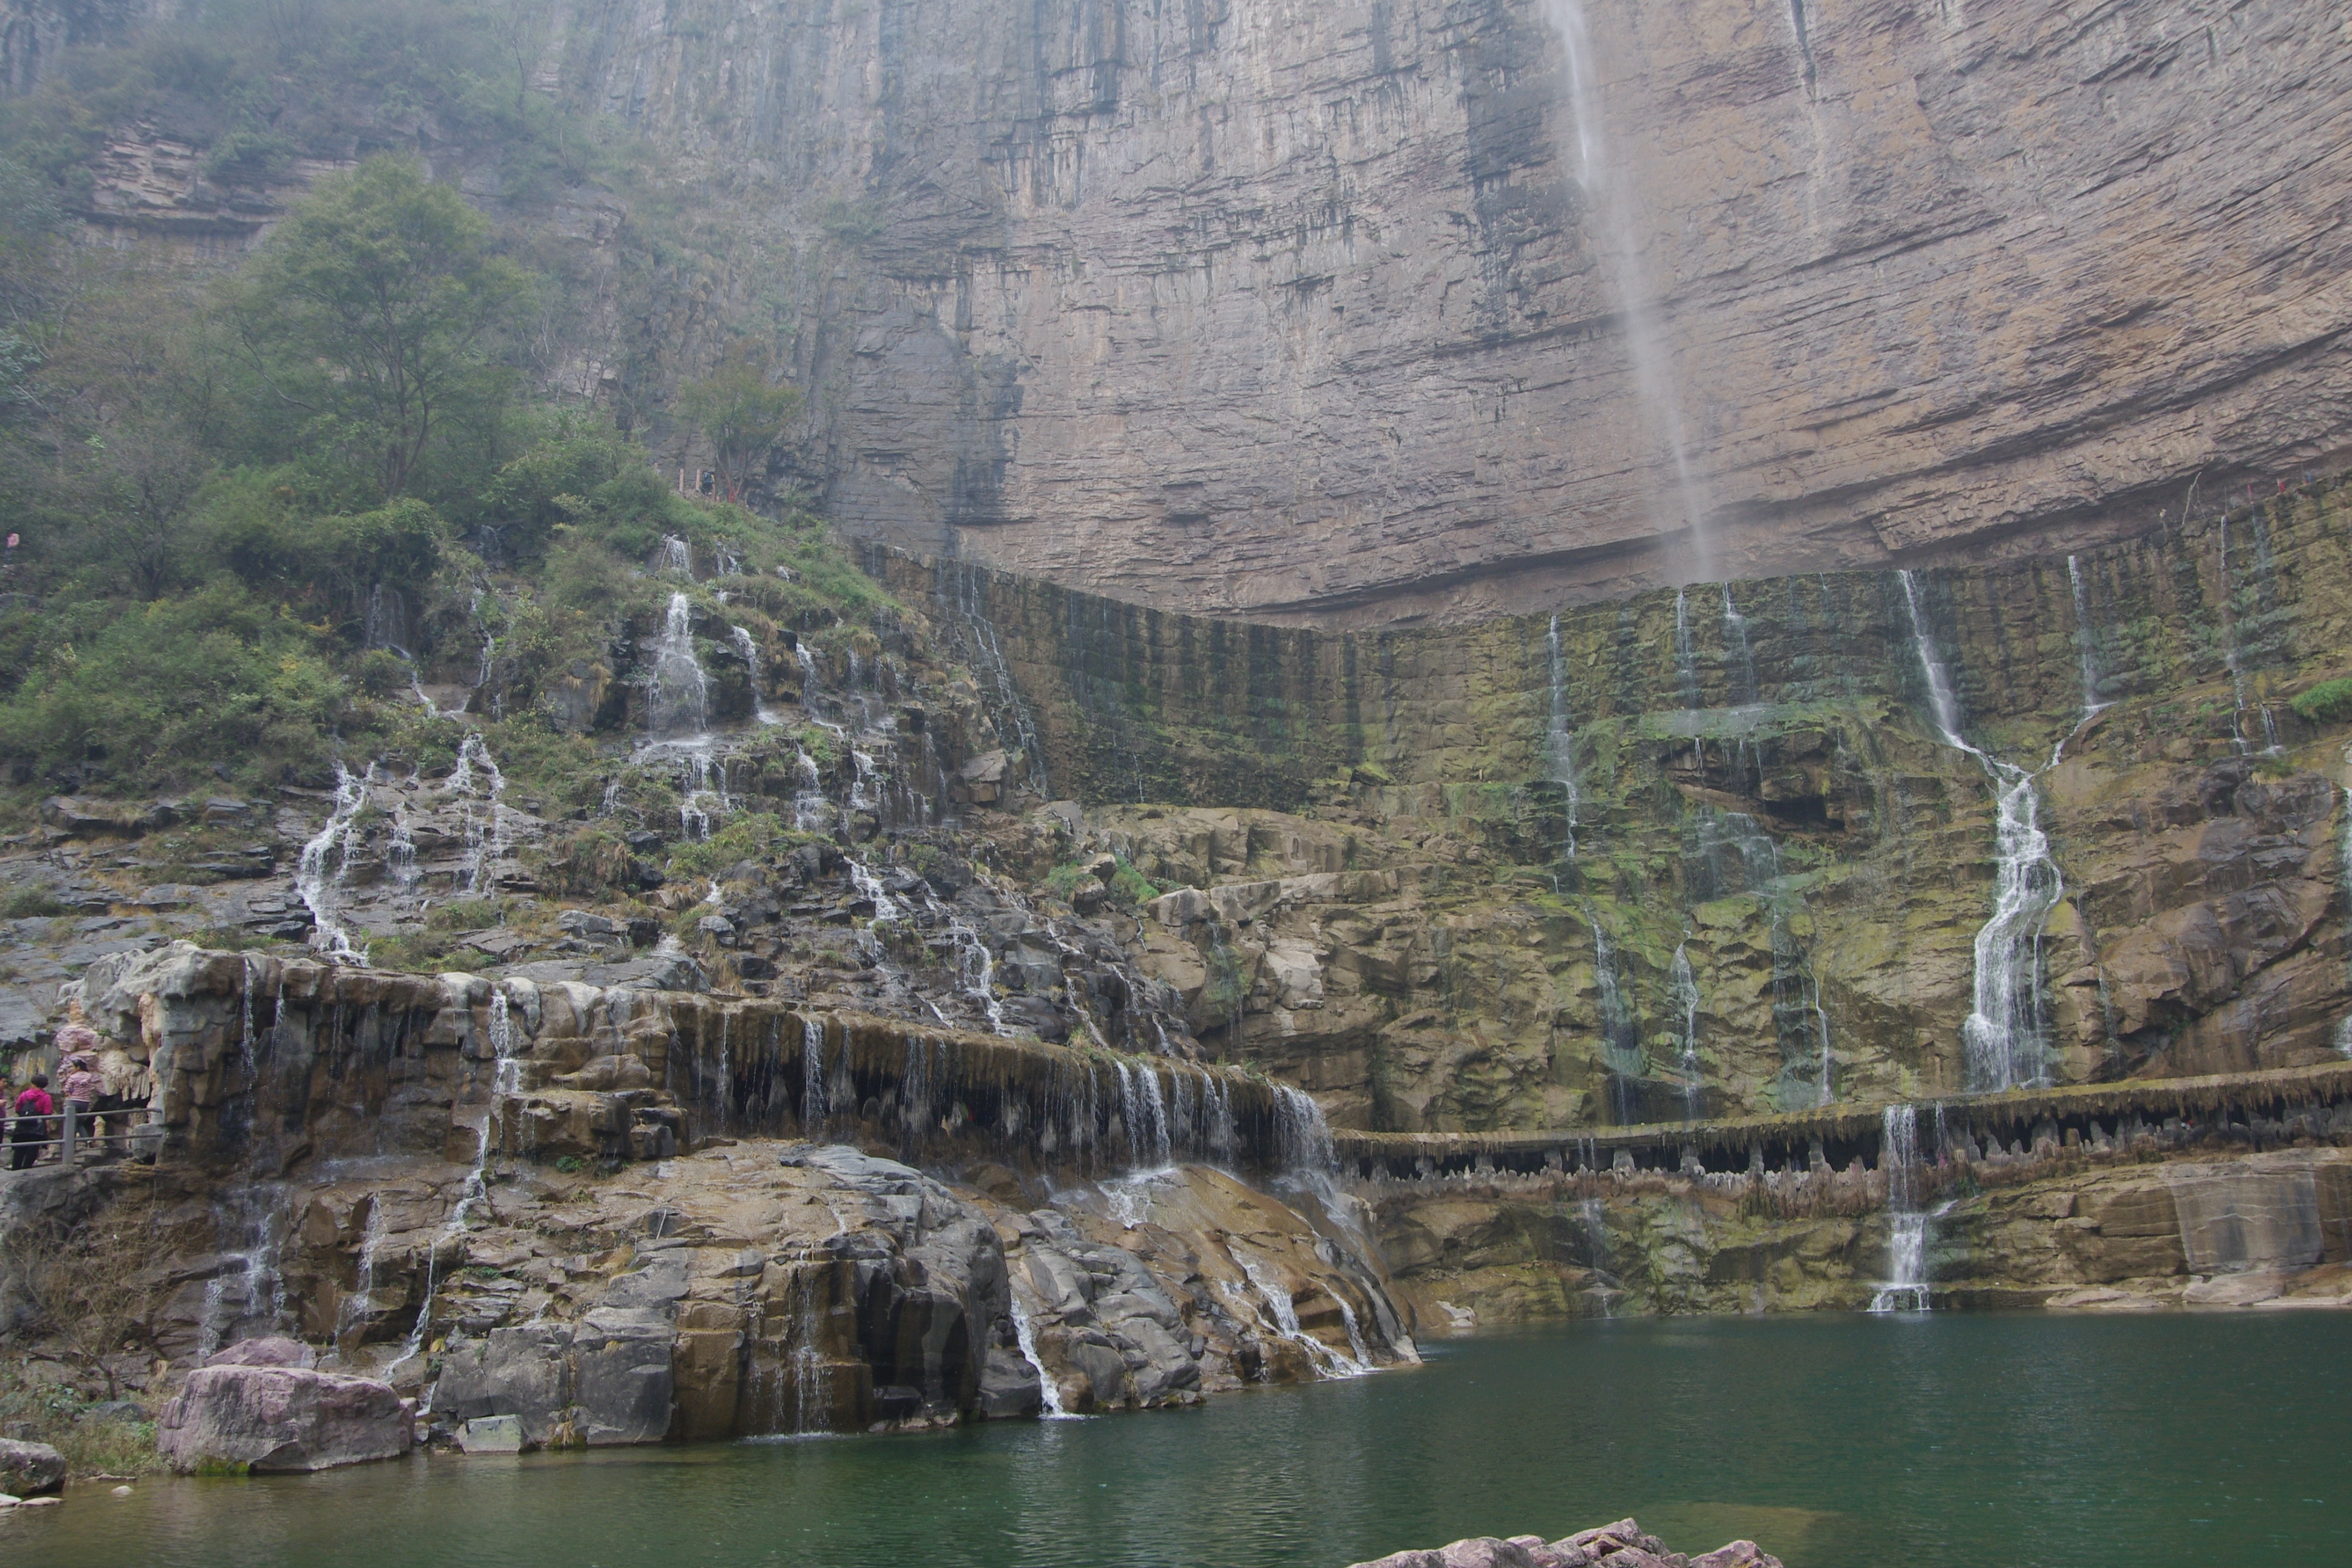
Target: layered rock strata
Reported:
[(1343, 312)]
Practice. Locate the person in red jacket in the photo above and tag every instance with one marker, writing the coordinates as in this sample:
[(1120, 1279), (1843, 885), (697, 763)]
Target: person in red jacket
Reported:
[(34, 1110)]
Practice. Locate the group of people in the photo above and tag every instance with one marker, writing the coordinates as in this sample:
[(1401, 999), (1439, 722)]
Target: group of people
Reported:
[(36, 1121)]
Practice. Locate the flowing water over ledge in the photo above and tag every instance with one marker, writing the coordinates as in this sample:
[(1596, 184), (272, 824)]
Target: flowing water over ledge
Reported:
[(1949, 1441)]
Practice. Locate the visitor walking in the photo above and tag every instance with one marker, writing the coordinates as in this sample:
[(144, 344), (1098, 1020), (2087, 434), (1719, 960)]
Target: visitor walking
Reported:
[(78, 1082), (32, 1109)]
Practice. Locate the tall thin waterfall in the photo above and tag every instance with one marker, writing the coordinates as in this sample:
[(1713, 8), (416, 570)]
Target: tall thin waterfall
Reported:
[(2084, 642), (1739, 659), (679, 701), (1906, 1286), (2004, 1035), (1653, 372), (1685, 659), (2231, 656), (1682, 987), (1561, 737)]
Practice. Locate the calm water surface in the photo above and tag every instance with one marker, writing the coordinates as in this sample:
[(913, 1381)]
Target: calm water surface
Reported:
[(1838, 1442)]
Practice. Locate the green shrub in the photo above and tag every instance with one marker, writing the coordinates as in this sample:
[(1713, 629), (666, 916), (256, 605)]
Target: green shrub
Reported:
[(31, 902), (2329, 702)]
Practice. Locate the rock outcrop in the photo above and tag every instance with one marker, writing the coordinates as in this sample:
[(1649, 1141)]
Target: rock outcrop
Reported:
[(28, 1469), (264, 1406), (1620, 1545)]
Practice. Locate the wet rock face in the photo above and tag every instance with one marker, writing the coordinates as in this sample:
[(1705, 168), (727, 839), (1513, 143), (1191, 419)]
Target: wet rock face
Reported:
[(1201, 309), (770, 1287)]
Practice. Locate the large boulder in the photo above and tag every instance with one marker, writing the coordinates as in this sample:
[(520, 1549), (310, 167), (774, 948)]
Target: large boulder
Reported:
[(233, 1415), (29, 1468)]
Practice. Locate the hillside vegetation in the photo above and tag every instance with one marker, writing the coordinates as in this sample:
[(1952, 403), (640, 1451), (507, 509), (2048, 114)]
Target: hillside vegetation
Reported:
[(260, 505)]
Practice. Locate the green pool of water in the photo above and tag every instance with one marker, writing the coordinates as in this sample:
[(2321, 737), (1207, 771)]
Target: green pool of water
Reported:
[(1838, 1442)]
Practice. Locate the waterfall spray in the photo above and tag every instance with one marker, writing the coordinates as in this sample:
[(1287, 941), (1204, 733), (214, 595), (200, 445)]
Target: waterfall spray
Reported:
[(1653, 372)]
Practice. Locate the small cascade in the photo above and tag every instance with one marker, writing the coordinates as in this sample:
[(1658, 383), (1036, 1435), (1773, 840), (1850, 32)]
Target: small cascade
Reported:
[(485, 832), (1653, 372), (1024, 1334), (321, 887), (676, 555), (1562, 746), (749, 649), (1682, 986), (1905, 1287), (1145, 1115), (1301, 1136), (400, 855), (813, 1095), (256, 1289), (362, 1301), (2083, 641), (1283, 1312), (2004, 1035), (1821, 1028), (1739, 659), (677, 701), (1685, 657)]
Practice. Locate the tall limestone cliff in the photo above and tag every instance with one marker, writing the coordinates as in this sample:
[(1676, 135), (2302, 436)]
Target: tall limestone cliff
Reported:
[(1335, 311)]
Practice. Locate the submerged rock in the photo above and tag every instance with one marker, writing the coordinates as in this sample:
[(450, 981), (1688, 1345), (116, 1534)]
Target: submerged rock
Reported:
[(265, 1409), (1620, 1545)]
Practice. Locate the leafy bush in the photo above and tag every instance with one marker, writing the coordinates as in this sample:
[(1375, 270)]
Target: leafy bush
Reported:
[(753, 836), (2329, 702)]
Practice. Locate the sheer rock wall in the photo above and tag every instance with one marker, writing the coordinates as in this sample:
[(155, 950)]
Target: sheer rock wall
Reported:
[(1302, 312)]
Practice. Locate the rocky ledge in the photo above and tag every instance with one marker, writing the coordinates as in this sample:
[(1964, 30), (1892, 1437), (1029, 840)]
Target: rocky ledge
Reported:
[(1619, 1545)]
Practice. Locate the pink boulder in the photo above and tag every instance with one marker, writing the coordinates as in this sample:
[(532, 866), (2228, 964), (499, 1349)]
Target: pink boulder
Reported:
[(274, 1418)]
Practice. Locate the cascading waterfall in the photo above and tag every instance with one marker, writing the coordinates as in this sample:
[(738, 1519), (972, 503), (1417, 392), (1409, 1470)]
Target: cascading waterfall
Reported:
[(1653, 374), (1905, 1287), (321, 887), (1145, 1115), (679, 700), (486, 834), (1683, 987), (1799, 1022), (2005, 1033), (676, 555), (1739, 659)]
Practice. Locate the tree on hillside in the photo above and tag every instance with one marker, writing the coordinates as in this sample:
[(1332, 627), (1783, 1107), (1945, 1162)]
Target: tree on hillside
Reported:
[(742, 416), (373, 315)]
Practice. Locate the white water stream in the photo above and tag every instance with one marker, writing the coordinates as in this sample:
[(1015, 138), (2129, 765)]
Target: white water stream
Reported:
[(1905, 1289), (2003, 1037)]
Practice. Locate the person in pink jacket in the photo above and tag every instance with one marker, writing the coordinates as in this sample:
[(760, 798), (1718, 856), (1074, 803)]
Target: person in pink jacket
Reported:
[(32, 1109), (78, 1082)]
